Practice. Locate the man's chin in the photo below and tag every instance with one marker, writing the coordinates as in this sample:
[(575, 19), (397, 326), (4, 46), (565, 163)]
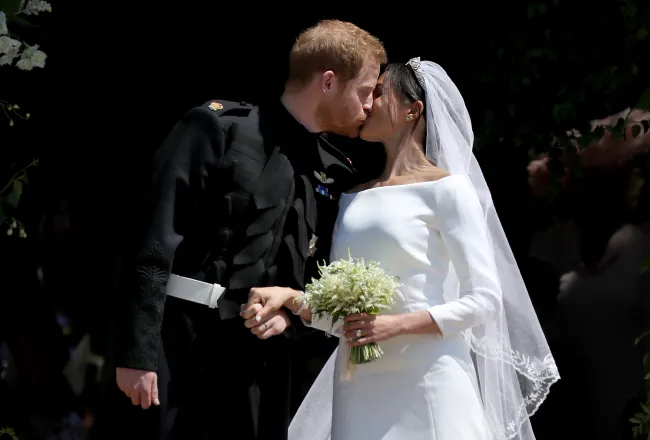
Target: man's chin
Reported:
[(354, 133), (350, 132)]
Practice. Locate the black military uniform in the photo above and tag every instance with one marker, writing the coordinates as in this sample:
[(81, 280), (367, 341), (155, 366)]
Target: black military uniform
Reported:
[(243, 196)]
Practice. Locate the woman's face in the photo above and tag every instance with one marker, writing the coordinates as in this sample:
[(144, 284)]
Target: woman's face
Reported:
[(387, 116)]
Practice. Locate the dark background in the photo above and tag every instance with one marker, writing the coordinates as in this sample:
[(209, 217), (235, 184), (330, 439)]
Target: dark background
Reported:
[(118, 78), (119, 75)]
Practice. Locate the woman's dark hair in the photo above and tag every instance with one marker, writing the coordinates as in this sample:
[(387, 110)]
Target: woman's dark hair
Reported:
[(401, 78)]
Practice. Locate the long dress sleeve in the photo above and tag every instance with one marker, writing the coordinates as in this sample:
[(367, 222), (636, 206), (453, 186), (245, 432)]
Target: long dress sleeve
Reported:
[(324, 323), (463, 229), (168, 211)]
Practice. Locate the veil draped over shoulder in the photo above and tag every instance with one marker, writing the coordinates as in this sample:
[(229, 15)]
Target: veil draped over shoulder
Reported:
[(514, 365)]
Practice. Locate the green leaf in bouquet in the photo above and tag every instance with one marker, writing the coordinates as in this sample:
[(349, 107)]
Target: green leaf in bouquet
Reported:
[(22, 21), (10, 7)]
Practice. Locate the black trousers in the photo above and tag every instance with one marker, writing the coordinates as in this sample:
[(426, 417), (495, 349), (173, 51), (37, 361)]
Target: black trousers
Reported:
[(215, 379)]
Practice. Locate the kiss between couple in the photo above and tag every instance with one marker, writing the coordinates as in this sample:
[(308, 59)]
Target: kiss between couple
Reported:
[(245, 199)]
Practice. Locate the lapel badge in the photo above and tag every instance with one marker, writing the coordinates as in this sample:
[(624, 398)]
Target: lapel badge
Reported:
[(320, 189), (322, 178), (312, 245), (214, 105)]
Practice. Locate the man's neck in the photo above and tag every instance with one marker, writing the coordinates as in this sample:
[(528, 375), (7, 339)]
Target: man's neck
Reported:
[(302, 108)]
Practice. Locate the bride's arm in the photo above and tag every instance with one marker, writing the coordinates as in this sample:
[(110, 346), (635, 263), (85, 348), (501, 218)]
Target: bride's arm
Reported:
[(294, 303), (462, 226)]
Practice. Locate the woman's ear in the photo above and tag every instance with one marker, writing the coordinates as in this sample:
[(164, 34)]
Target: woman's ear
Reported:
[(415, 111), (418, 109)]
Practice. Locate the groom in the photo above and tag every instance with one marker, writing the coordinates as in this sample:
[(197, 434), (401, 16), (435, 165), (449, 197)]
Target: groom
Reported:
[(242, 197)]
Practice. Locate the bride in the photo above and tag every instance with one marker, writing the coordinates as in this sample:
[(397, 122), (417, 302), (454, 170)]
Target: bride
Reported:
[(464, 355)]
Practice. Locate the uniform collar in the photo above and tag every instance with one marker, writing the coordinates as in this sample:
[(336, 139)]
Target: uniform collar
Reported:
[(286, 132)]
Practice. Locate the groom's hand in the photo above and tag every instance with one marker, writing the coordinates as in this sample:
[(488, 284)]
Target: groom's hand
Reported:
[(274, 323), (140, 386)]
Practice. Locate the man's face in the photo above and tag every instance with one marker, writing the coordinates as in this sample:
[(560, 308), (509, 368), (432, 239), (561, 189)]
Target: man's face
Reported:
[(345, 111)]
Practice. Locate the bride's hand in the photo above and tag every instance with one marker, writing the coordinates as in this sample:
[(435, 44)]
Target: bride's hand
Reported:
[(272, 299), (274, 324), (361, 329)]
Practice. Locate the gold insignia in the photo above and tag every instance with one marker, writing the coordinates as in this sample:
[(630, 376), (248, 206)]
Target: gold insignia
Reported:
[(322, 177), (214, 105)]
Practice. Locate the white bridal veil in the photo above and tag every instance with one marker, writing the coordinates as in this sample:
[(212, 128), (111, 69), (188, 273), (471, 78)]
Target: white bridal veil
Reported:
[(513, 362)]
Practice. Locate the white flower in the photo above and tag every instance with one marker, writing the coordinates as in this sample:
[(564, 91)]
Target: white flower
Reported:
[(35, 7), (9, 45), (351, 286), (30, 58), (24, 64), (6, 60), (3, 24), (9, 49)]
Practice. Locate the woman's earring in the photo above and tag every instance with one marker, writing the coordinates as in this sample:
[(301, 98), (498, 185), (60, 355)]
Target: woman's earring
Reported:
[(409, 117)]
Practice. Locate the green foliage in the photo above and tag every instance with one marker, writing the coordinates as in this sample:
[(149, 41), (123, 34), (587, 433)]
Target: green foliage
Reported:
[(10, 195), (549, 72), (558, 66), (15, 53), (641, 420), (9, 432)]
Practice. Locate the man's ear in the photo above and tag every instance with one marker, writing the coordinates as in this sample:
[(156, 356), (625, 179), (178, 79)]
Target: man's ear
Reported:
[(327, 81)]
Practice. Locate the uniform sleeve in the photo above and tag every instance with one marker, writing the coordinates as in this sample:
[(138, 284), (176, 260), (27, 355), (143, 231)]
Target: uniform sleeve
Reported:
[(168, 211), (464, 231)]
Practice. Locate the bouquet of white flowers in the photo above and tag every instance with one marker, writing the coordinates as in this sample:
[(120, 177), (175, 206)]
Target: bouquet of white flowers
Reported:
[(351, 286)]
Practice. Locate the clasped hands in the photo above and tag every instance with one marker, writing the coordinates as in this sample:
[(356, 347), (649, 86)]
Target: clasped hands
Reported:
[(264, 312), (265, 316)]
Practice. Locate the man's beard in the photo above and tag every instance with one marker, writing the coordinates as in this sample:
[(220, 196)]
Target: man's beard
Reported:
[(338, 120)]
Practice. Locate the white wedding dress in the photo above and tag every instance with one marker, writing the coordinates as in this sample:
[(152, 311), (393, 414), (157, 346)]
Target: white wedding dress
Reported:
[(425, 386)]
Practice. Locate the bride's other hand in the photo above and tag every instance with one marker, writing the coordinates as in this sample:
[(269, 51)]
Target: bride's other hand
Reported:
[(361, 329)]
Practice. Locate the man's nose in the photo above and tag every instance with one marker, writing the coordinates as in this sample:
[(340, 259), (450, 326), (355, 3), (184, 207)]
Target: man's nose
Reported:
[(367, 106)]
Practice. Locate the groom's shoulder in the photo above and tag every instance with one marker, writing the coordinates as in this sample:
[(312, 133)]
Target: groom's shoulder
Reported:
[(237, 120), (220, 113), (226, 110)]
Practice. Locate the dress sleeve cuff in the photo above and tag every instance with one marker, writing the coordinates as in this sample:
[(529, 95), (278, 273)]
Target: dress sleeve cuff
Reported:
[(441, 315), (324, 323)]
